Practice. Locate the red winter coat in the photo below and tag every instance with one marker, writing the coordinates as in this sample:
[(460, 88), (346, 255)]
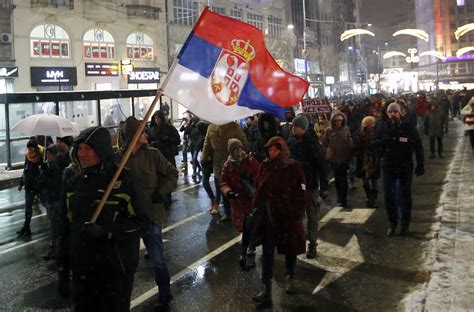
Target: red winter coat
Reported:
[(421, 106), (280, 189), (231, 181)]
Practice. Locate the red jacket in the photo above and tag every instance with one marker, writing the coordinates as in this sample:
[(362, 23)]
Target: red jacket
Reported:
[(421, 106)]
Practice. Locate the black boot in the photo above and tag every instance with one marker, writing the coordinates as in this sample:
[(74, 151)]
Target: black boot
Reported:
[(243, 261), (265, 295), (391, 230), (404, 229), (374, 199), (290, 285), (163, 303), (250, 262), (25, 231), (311, 252)]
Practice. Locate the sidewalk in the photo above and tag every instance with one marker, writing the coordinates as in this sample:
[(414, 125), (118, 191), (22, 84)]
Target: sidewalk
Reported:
[(9, 178), (451, 258)]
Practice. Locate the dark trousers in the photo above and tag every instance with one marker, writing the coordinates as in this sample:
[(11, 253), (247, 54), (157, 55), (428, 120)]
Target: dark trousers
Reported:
[(268, 248), (312, 216), (206, 176), (225, 201), (102, 291), (433, 141), (29, 199), (471, 137), (153, 239), (340, 180), (196, 164), (404, 176)]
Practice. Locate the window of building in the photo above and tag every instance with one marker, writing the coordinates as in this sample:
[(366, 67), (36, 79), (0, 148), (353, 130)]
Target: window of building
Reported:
[(139, 46), (49, 41), (99, 44), (218, 10), (274, 26), (185, 12), (237, 14), (255, 20)]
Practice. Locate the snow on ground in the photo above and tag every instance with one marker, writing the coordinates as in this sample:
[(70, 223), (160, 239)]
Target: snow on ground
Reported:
[(451, 256)]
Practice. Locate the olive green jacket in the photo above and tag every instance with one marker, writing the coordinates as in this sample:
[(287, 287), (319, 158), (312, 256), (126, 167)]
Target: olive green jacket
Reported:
[(155, 176)]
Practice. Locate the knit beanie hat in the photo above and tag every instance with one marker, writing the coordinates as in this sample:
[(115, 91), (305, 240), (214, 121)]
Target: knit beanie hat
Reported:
[(232, 144), (394, 106), (301, 121), (131, 126)]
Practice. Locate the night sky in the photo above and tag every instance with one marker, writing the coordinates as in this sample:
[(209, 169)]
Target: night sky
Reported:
[(386, 16)]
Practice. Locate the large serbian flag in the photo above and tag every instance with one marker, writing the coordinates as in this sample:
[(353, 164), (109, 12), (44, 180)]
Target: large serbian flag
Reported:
[(224, 73)]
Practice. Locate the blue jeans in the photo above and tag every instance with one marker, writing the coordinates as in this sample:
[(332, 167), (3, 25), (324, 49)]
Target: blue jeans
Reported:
[(225, 201), (153, 239)]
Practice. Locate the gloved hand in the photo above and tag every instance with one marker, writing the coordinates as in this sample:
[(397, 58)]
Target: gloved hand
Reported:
[(93, 231), (420, 170), (20, 187), (232, 194), (64, 284)]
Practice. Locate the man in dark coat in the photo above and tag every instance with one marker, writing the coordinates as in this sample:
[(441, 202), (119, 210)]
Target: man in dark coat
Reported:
[(163, 136), (435, 127), (267, 128), (103, 255), (305, 148), (397, 140)]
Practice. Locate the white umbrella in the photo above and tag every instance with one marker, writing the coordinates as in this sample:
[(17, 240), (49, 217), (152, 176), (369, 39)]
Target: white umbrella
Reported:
[(47, 125)]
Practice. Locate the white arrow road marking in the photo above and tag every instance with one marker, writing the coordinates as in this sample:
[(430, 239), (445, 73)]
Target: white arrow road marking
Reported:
[(334, 259)]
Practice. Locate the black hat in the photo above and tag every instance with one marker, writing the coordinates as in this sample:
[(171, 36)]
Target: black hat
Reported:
[(68, 140)]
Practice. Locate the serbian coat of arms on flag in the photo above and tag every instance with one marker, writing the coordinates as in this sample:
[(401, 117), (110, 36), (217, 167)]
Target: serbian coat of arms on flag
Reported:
[(224, 73)]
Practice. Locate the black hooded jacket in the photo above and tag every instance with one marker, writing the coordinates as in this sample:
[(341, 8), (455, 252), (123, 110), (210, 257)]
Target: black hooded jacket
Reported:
[(118, 250), (164, 137), (267, 128)]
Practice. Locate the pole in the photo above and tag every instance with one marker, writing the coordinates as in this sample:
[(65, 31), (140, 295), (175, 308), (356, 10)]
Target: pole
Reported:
[(125, 157), (304, 42)]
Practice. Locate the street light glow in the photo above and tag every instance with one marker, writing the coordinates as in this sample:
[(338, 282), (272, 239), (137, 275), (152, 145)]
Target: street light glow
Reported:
[(390, 54), (421, 34), (463, 30), (436, 54), (290, 27), (464, 50), (354, 32)]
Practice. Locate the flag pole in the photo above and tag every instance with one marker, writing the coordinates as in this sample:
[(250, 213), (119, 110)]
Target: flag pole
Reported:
[(125, 157)]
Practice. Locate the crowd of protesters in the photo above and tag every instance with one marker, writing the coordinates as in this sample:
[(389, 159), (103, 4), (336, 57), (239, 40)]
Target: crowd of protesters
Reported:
[(269, 174)]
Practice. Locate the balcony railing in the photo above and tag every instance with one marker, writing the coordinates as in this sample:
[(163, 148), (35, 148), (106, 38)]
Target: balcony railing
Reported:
[(59, 4), (143, 11)]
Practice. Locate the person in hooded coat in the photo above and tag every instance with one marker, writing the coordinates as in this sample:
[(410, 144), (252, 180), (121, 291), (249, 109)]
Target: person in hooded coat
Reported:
[(280, 198), (103, 256), (237, 184), (268, 127), (435, 127), (337, 144), (163, 136)]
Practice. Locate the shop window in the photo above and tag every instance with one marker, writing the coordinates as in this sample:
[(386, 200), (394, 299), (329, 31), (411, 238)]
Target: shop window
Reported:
[(139, 46), (49, 41), (99, 44)]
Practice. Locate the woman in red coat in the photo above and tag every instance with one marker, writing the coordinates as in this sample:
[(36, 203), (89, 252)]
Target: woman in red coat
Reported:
[(237, 184), (280, 199)]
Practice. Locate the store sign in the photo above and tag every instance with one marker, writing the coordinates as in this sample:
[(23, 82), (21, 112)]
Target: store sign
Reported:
[(8, 72), (53, 76), (102, 69), (315, 106), (144, 75)]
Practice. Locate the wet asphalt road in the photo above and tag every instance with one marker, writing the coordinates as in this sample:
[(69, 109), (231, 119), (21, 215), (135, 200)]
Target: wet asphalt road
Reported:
[(358, 268)]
